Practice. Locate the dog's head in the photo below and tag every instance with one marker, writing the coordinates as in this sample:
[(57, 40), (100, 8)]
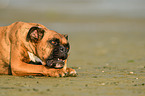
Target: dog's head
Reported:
[(51, 47)]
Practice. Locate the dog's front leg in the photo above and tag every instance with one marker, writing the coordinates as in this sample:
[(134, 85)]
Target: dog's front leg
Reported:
[(21, 68)]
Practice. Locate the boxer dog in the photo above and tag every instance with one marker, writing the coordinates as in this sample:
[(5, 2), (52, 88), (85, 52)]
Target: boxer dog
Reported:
[(32, 49)]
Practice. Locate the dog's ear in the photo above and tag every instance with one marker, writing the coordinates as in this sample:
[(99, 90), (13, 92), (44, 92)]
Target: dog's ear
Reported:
[(66, 36), (35, 34)]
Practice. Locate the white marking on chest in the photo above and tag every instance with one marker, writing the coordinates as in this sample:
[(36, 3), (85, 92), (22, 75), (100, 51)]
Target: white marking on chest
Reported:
[(33, 57)]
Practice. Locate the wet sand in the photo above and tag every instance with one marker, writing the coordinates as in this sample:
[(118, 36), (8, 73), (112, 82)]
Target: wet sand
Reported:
[(108, 64)]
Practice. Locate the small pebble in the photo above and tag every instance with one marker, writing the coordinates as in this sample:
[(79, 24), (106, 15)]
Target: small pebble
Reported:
[(35, 89), (143, 84), (136, 78), (86, 85), (47, 89), (102, 83), (131, 72)]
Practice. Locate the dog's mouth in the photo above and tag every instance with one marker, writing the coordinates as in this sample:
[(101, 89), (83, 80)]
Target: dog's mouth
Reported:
[(55, 63), (52, 62)]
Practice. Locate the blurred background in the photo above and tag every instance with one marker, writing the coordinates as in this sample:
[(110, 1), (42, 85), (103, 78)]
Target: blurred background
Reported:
[(77, 15)]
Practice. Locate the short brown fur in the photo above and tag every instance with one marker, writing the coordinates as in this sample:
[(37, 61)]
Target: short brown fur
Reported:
[(14, 58)]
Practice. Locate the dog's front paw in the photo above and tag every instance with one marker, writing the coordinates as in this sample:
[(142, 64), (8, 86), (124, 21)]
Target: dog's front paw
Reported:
[(51, 72), (71, 72)]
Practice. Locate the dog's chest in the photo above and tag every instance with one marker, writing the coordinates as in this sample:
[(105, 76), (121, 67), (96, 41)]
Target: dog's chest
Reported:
[(34, 58)]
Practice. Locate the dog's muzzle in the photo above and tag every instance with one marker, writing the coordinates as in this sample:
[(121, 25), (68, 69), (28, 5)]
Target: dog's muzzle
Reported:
[(57, 58)]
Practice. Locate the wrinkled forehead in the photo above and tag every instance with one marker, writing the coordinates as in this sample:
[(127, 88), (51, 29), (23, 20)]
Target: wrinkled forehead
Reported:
[(52, 35)]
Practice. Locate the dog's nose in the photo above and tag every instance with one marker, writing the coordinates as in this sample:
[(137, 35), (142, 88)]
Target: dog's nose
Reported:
[(63, 54), (62, 49)]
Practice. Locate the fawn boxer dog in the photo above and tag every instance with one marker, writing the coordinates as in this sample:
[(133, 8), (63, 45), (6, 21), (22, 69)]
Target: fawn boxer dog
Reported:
[(32, 49)]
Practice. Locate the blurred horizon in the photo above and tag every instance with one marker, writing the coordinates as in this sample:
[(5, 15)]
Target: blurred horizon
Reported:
[(76, 15)]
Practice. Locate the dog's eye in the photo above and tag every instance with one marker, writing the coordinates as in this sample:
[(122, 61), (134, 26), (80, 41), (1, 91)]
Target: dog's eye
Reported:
[(53, 42), (67, 48)]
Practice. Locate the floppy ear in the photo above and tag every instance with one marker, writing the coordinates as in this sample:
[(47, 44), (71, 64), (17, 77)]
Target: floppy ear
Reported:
[(66, 36), (35, 34)]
